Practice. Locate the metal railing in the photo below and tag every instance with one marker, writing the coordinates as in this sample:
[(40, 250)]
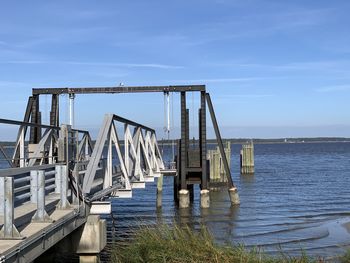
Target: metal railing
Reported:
[(30, 185), (69, 168)]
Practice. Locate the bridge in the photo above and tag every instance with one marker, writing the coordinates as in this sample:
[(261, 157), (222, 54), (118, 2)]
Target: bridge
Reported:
[(59, 180)]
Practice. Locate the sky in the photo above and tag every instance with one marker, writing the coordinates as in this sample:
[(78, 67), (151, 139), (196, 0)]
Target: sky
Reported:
[(273, 68)]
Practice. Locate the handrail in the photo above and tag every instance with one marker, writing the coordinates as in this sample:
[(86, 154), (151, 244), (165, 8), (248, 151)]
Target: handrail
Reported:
[(14, 122), (12, 172), (31, 124), (133, 123)]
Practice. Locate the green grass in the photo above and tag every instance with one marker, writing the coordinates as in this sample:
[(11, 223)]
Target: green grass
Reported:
[(346, 257), (182, 245)]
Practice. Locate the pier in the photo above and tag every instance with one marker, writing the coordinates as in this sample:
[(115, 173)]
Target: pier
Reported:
[(59, 180)]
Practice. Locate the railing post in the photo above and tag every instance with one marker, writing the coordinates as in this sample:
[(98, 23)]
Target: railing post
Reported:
[(126, 148), (9, 230), (2, 196), (38, 196), (62, 186), (87, 156), (109, 166), (22, 161)]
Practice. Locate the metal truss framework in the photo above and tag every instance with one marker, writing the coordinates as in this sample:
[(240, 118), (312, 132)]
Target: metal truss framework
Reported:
[(53, 198), (188, 174), (140, 163)]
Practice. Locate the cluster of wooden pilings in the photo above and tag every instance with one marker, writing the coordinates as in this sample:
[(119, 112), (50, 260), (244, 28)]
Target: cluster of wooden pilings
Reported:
[(247, 158), (218, 177), (217, 172)]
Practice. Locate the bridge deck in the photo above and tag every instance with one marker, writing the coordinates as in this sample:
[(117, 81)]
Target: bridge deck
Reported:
[(53, 184), (25, 212), (37, 237)]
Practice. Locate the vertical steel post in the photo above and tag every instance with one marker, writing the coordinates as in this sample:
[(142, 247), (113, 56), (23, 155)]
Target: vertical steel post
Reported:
[(54, 113), (107, 182), (183, 154), (38, 187), (62, 185), (187, 129), (168, 114), (126, 148), (71, 109), (2, 196), (86, 147), (21, 148), (9, 230), (35, 132), (203, 142)]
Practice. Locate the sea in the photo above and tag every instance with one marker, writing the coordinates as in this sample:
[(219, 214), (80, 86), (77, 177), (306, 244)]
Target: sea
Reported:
[(297, 201)]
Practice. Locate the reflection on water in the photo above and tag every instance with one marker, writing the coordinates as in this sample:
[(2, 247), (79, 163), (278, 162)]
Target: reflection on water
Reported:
[(298, 198)]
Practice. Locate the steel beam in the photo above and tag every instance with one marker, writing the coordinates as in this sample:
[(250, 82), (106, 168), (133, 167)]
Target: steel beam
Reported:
[(122, 89)]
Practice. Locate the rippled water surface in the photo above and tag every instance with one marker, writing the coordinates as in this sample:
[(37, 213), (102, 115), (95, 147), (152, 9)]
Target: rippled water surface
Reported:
[(298, 198)]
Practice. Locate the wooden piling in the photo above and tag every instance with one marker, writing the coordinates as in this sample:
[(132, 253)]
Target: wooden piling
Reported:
[(159, 191), (247, 158), (216, 167)]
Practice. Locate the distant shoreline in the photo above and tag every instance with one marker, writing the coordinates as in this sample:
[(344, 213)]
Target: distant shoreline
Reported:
[(276, 141), (255, 140)]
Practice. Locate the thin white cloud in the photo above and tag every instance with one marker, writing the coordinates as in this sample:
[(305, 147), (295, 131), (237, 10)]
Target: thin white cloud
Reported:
[(336, 88), (97, 64), (335, 66), (249, 96), (227, 99), (255, 25), (215, 80), (13, 84), (46, 35)]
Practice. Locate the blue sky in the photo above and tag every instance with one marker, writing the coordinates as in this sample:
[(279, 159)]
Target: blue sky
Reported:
[(273, 68)]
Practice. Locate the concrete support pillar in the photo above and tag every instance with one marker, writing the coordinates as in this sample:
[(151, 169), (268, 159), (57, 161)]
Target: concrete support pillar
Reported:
[(234, 197), (205, 198), (92, 240), (184, 198), (89, 259)]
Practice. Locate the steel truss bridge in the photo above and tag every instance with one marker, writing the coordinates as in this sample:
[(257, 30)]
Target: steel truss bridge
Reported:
[(59, 180)]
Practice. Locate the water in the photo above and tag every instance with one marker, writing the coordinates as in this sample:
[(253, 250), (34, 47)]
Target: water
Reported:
[(299, 198)]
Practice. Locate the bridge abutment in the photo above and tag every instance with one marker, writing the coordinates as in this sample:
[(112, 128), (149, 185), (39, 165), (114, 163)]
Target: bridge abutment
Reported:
[(92, 239)]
